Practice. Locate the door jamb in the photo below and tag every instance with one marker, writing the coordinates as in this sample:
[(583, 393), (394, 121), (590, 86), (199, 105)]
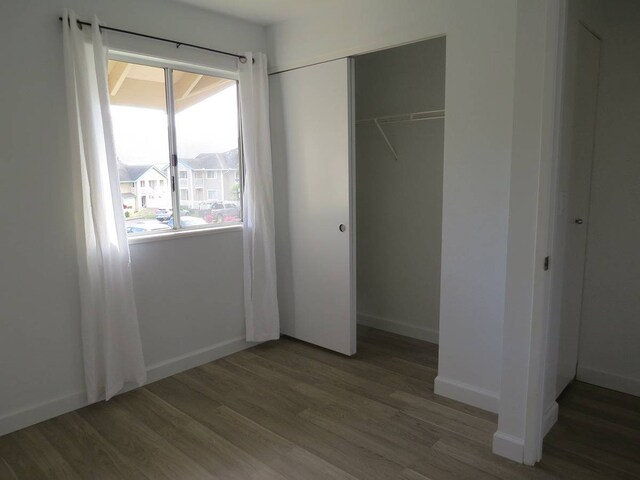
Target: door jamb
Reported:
[(535, 414)]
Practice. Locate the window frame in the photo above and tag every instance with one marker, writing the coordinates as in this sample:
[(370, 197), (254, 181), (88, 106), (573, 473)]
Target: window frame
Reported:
[(168, 66)]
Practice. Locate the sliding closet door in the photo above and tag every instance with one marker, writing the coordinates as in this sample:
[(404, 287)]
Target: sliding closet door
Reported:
[(313, 178)]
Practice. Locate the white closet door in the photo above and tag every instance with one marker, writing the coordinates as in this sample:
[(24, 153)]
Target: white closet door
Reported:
[(584, 115), (311, 125)]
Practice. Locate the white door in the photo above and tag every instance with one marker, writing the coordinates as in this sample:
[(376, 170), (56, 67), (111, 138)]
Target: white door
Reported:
[(577, 205), (311, 126)]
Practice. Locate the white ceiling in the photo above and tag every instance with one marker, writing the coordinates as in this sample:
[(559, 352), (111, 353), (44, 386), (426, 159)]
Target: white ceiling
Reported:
[(263, 12)]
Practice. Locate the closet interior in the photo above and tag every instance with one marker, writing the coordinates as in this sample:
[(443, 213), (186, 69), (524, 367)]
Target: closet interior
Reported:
[(399, 138)]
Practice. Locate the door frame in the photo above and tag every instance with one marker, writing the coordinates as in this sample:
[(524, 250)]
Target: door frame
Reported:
[(537, 420), (541, 30), (351, 68)]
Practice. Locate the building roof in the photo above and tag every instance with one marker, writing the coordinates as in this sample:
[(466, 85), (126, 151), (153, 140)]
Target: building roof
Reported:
[(213, 161), (131, 173)]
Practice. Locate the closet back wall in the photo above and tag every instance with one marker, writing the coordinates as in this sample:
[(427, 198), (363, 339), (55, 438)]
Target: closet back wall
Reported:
[(188, 290), (399, 203)]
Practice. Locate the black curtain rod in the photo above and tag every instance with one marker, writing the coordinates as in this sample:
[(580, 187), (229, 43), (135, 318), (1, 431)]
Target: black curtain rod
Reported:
[(242, 58)]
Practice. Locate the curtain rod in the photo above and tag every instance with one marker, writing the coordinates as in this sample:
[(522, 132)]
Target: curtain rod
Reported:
[(242, 58)]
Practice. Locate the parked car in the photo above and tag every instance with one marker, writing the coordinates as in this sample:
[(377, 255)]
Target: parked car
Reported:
[(187, 221), (225, 212), (145, 226), (164, 214)]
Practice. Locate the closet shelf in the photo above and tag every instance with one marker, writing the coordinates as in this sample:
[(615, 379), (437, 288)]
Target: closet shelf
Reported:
[(403, 117)]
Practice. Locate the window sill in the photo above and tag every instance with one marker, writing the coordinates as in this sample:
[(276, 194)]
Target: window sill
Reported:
[(195, 232)]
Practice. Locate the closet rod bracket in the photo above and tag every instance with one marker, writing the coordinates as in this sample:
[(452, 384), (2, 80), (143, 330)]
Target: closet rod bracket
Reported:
[(395, 155)]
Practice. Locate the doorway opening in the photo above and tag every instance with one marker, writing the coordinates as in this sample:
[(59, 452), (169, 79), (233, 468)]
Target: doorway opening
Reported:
[(593, 359)]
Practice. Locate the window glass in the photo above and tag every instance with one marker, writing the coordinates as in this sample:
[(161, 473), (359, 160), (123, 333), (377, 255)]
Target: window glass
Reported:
[(139, 113), (204, 121), (207, 139)]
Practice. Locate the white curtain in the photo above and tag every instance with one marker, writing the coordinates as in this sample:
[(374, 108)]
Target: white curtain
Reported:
[(260, 289), (111, 345)]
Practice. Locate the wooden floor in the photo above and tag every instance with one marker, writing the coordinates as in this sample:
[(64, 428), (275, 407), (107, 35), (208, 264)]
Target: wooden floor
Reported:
[(287, 410)]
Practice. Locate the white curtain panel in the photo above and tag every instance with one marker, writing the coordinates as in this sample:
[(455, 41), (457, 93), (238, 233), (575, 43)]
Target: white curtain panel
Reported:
[(260, 288), (111, 346)]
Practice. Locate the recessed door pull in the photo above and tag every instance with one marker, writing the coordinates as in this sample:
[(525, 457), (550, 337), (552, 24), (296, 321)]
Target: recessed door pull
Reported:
[(342, 228), (579, 221)]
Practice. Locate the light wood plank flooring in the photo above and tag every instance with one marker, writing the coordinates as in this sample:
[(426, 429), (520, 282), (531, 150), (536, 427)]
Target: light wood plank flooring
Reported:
[(288, 410)]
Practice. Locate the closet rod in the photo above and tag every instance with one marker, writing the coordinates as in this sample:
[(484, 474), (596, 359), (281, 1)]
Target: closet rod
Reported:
[(242, 58)]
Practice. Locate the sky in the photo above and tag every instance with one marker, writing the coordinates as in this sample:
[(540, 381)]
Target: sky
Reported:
[(207, 127)]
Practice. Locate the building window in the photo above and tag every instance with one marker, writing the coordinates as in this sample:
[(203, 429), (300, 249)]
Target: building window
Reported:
[(146, 103), (212, 174)]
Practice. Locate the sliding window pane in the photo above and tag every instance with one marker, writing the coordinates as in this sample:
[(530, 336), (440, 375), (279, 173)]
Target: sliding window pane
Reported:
[(206, 121), (139, 114)]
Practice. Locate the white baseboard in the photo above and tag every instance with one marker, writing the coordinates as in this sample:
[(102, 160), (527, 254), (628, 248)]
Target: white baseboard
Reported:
[(609, 380), (196, 358), (43, 411), (467, 393), (549, 418), (508, 446), (401, 328)]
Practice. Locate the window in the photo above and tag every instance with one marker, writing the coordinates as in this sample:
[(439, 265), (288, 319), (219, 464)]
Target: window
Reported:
[(212, 175), (200, 112)]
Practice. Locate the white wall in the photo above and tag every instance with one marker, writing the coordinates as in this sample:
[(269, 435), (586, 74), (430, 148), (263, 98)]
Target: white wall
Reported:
[(479, 101), (186, 306), (477, 158), (359, 26), (609, 353), (399, 203)]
